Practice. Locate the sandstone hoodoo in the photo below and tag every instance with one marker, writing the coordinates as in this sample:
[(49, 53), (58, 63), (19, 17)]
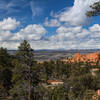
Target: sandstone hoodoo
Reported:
[(91, 58)]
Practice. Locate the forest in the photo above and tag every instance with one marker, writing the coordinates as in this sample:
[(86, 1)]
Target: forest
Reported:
[(23, 78)]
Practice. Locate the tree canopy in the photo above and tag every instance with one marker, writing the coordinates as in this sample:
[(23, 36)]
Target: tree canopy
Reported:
[(95, 10), (22, 78)]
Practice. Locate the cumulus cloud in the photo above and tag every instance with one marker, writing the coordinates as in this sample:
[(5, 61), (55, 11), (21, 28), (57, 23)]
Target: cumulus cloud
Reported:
[(6, 26), (31, 32), (4, 35), (10, 45), (64, 29), (76, 15), (9, 24), (73, 37), (95, 28), (52, 23), (70, 38), (77, 37)]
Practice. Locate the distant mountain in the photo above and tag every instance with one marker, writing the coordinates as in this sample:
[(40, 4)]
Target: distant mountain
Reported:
[(45, 55)]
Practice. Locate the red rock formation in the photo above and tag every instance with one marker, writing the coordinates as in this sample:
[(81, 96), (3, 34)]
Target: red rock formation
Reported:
[(92, 58)]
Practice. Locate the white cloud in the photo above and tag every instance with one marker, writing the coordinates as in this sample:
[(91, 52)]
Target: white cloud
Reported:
[(76, 15), (11, 40), (83, 34), (65, 37), (9, 24), (10, 45), (10, 6), (6, 26), (64, 29), (52, 23), (35, 8), (5, 35), (31, 32), (76, 38), (95, 28)]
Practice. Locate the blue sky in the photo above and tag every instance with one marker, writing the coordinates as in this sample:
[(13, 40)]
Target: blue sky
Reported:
[(22, 9), (49, 24)]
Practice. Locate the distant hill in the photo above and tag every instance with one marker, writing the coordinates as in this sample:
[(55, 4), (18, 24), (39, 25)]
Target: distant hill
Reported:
[(45, 55)]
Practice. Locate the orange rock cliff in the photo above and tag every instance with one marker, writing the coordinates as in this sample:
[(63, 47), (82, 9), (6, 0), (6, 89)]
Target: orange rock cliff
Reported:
[(92, 57)]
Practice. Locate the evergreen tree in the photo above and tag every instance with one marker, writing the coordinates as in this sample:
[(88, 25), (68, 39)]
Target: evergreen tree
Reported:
[(95, 10), (5, 72), (88, 94), (23, 72)]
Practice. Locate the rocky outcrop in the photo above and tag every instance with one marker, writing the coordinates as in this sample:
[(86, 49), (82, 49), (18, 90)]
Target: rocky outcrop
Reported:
[(91, 58)]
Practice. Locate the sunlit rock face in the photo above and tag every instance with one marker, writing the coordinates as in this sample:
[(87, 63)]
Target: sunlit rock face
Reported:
[(92, 58)]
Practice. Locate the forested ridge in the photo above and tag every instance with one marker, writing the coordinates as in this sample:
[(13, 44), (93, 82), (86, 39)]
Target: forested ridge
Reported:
[(23, 78)]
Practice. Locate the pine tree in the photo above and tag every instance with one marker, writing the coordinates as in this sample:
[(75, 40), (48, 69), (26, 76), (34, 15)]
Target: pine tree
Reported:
[(5, 72), (95, 10), (23, 71)]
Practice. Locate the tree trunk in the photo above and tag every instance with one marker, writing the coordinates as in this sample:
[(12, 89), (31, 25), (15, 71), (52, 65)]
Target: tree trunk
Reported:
[(29, 91)]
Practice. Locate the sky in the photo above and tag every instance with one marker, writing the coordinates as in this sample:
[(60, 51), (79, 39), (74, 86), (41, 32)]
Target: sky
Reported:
[(49, 24)]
